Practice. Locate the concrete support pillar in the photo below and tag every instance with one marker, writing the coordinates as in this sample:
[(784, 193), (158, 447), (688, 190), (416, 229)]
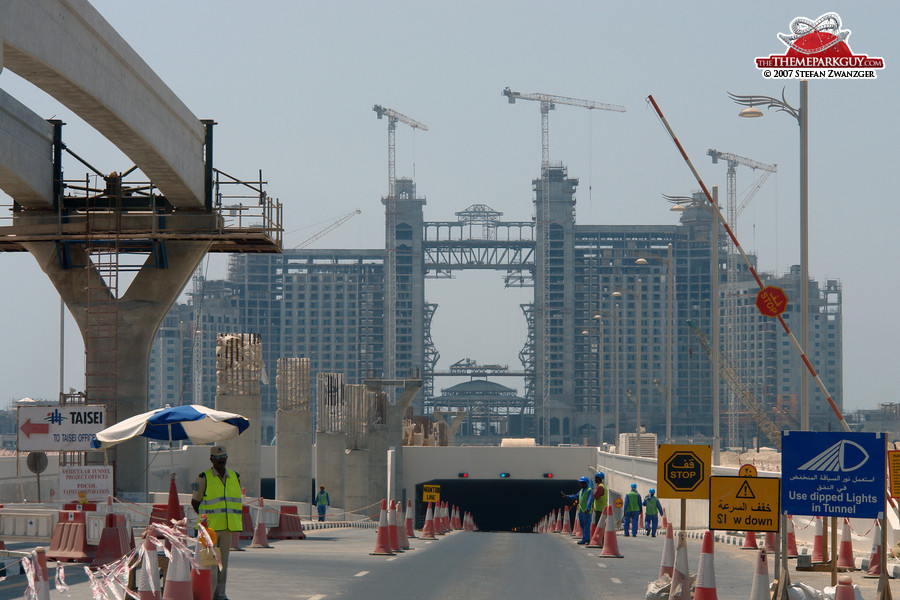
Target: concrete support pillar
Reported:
[(293, 462), (356, 482), (238, 365), (330, 465), (141, 308)]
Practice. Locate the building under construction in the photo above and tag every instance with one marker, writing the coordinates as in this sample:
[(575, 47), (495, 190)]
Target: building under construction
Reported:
[(618, 300)]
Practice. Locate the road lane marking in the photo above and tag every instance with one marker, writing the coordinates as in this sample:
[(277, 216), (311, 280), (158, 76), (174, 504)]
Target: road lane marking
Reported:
[(601, 565), (361, 573), (316, 597), (391, 558), (615, 580)]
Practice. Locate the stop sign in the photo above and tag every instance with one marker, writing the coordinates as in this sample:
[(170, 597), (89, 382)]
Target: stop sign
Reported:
[(771, 301), (684, 471)]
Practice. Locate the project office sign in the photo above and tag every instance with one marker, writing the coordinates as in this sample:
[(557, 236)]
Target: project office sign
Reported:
[(833, 474)]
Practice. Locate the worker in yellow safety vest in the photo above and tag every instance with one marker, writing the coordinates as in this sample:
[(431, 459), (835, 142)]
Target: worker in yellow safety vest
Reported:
[(583, 496), (217, 494)]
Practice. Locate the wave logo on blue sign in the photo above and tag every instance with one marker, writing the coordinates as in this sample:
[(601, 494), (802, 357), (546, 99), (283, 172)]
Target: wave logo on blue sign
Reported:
[(837, 458), (55, 417)]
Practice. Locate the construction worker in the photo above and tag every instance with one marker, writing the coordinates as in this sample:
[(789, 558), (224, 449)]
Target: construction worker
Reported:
[(651, 515), (632, 510), (217, 493), (322, 502), (583, 497), (601, 496)]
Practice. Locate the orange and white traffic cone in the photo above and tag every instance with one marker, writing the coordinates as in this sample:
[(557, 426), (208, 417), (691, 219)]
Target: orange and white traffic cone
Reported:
[(259, 534), (567, 527), (680, 589), (410, 528), (428, 528), (749, 541), (41, 581), (667, 563), (769, 544), (874, 569), (706, 571), (641, 520), (458, 525), (791, 539), (559, 522), (759, 590), (178, 578), (664, 522), (844, 589), (845, 550), (401, 528), (147, 577), (393, 534), (598, 531), (818, 553), (610, 543), (439, 519), (383, 536), (576, 529)]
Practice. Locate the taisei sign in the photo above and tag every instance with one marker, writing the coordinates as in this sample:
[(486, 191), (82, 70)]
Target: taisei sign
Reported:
[(85, 484), (833, 474), (58, 428)]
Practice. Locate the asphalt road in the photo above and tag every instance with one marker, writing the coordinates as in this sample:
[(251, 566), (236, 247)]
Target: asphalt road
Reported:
[(335, 563)]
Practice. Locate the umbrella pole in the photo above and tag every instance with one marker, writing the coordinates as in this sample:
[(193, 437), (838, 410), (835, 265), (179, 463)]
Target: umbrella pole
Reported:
[(171, 458)]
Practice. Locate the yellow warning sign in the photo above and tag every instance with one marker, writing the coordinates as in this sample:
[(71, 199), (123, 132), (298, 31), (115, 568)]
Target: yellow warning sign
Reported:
[(431, 493), (744, 504), (894, 469)]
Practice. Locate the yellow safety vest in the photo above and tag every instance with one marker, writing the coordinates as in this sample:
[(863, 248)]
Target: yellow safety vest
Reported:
[(601, 502), (222, 503)]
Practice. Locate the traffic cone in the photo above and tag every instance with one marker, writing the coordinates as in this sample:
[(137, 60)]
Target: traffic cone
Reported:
[(178, 578), (174, 510), (383, 537), (610, 543), (392, 527), (706, 571), (844, 589), (458, 525), (759, 590), (410, 527), (428, 528), (845, 550), (41, 574), (401, 528), (641, 520), (667, 564), (576, 529), (567, 526), (875, 558), (769, 544), (791, 539), (593, 526), (439, 518), (201, 576), (818, 553), (597, 532), (749, 541), (147, 577), (664, 522), (259, 534), (680, 588), (559, 523)]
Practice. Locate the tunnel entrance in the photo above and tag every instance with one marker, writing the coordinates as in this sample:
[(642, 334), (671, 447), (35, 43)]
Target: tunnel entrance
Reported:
[(500, 504)]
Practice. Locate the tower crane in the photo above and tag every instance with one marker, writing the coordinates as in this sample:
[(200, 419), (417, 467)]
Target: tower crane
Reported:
[(334, 225), (390, 203), (741, 390), (548, 103), (733, 211)]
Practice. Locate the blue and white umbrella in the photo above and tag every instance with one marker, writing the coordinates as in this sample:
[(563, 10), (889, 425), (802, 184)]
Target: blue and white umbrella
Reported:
[(193, 422)]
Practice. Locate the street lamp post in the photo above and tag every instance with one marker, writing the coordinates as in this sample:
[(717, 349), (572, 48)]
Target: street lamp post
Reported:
[(670, 299), (638, 354), (802, 116), (599, 376)]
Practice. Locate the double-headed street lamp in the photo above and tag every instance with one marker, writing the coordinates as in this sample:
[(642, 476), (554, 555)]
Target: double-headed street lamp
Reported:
[(802, 116), (670, 293), (617, 293)]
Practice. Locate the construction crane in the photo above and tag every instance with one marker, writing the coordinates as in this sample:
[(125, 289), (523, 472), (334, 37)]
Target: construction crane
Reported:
[(734, 209), (334, 225), (740, 389), (390, 204), (548, 103)]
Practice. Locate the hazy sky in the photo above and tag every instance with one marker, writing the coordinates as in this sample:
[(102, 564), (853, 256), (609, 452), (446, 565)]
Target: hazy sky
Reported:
[(292, 85)]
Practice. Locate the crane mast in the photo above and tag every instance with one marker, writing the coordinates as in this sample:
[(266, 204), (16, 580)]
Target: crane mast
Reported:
[(548, 102), (390, 267), (733, 210)]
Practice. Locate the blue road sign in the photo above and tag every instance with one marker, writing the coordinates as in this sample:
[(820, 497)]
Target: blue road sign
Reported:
[(832, 474)]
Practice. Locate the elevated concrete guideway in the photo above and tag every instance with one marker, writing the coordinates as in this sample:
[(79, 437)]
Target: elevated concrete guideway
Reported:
[(66, 48)]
